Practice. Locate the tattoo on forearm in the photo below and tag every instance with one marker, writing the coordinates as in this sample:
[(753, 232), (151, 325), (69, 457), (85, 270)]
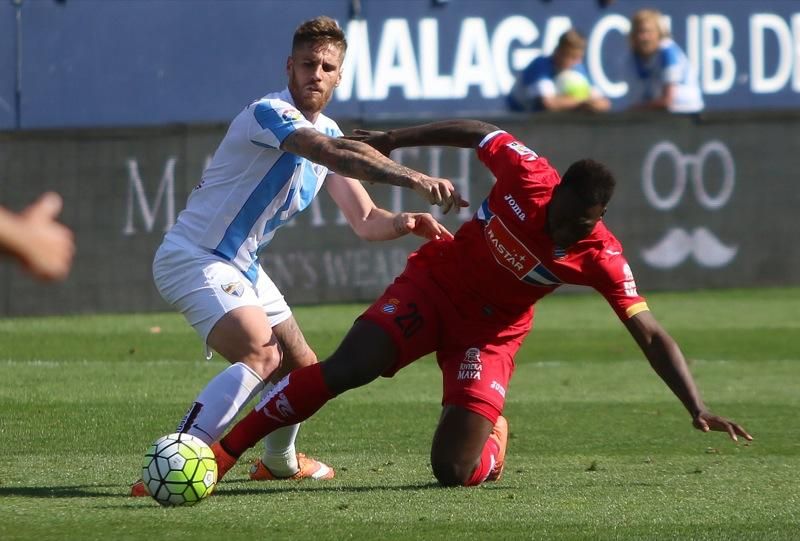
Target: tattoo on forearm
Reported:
[(361, 161), (314, 153), (351, 158)]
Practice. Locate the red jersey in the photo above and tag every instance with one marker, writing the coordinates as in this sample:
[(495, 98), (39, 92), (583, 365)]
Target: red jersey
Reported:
[(503, 261)]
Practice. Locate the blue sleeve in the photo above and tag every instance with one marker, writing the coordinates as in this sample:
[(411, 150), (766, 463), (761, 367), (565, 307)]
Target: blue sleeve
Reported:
[(674, 65), (537, 70), (669, 57), (274, 121)]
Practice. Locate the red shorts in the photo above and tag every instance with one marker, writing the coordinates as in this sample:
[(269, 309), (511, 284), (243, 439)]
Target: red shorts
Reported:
[(475, 353)]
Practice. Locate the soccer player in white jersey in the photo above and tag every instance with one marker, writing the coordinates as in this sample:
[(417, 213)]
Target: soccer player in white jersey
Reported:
[(273, 160), (661, 76)]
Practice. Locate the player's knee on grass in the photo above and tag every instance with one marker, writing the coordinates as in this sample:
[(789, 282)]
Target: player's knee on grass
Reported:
[(457, 445), (452, 473)]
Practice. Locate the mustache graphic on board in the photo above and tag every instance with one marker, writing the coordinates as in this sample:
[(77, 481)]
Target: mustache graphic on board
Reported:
[(678, 244)]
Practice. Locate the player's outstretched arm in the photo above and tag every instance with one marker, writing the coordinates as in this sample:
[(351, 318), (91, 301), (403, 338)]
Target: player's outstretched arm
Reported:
[(461, 133), (370, 222), (358, 160), (669, 363)]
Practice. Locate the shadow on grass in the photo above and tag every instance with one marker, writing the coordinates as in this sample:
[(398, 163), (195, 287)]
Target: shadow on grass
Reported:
[(257, 488), (77, 491), (254, 488)]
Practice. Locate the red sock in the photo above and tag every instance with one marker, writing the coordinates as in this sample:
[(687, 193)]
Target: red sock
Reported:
[(488, 459), (295, 398)]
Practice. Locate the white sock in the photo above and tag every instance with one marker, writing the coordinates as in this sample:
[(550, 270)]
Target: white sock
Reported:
[(220, 401), (279, 452)]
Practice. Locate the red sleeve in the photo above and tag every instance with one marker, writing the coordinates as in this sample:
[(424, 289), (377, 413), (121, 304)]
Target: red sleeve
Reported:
[(508, 158), (614, 280)]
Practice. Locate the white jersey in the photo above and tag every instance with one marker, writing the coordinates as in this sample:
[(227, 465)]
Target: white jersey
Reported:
[(669, 65), (252, 187)]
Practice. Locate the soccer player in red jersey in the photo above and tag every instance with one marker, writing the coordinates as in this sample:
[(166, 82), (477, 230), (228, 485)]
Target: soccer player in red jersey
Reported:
[(470, 300)]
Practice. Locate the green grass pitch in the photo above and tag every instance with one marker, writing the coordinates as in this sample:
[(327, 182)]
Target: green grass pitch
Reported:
[(599, 448)]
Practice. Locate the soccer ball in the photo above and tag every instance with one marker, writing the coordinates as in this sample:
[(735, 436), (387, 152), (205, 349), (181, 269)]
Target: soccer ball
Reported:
[(179, 469), (574, 84)]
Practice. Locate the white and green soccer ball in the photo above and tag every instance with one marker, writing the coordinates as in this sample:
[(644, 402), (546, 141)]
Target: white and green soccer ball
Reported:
[(179, 469)]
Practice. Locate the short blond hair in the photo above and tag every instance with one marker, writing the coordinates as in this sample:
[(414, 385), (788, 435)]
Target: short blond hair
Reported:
[(650, 15)]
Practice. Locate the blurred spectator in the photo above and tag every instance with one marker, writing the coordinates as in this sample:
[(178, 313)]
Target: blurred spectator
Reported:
[(558, 82), (661, 77), (43, 246)]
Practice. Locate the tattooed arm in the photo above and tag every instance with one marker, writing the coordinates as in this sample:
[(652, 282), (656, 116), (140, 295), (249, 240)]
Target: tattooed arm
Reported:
[(361, 161)]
